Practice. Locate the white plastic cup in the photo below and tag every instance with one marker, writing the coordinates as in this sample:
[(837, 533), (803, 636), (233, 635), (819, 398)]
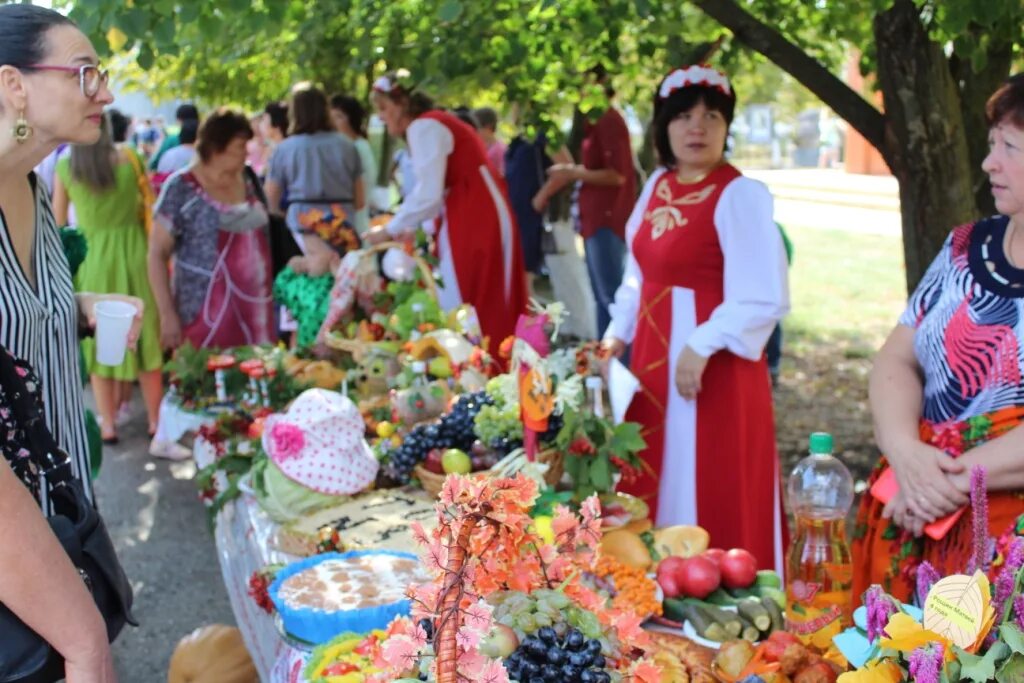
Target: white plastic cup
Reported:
[(113, 323)]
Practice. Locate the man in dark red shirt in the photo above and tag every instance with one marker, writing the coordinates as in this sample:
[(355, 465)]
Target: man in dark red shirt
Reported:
[(606, 193)]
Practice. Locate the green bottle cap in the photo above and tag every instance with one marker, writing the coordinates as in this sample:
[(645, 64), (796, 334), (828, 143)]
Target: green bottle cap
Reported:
[(821, 442)]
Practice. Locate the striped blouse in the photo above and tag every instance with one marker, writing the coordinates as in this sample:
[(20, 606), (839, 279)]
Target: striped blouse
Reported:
[(40, 326)]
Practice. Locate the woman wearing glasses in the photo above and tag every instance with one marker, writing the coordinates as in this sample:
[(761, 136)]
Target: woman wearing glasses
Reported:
[(51, 92)]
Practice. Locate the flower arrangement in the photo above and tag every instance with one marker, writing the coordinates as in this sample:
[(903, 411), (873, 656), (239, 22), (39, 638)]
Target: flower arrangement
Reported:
[(236, 437), (195, 385), (485, 545), (969, 630)]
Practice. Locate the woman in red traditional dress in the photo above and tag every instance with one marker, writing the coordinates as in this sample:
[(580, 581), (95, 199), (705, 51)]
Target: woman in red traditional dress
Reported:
[(705, 284), (477, 241)]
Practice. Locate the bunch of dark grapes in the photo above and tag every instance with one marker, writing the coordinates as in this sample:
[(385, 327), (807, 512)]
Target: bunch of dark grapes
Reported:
[(456, 426), (555, 423), (545, 657), (453, 430)]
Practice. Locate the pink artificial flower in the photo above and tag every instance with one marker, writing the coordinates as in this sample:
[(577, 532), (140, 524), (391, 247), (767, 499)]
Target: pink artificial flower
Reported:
[(288, 440)]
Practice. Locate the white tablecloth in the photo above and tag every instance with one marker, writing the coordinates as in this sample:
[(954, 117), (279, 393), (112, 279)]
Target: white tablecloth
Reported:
[(243, 535)]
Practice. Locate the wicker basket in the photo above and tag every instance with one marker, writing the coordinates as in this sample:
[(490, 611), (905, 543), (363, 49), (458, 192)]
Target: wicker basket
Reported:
[(358, 348), (555, 459)]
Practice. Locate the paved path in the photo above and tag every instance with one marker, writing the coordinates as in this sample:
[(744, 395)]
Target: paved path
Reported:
[(159, 528)]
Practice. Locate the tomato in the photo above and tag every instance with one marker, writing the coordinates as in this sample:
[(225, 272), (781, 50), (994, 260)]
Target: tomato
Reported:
[(739, 568), (668, 576), (715, 555), (698, 577)]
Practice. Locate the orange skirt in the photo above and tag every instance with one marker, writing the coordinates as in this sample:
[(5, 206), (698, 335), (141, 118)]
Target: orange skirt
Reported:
[(885, 554)]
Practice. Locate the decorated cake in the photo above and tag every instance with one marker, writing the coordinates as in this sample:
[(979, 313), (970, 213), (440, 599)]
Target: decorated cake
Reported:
[(375, 519), (322, 596)]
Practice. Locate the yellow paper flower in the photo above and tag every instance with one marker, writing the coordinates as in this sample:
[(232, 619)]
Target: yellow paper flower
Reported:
[(906, 635), (874, 672)]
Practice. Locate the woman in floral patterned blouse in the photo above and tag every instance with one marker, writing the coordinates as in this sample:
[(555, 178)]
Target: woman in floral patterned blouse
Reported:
[(946, 390)]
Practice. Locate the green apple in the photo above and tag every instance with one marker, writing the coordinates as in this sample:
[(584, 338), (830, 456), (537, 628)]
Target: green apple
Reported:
[(455, 461), (440, 367)]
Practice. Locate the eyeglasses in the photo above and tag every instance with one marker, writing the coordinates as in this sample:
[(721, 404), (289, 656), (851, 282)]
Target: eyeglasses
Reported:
[(90, 77)]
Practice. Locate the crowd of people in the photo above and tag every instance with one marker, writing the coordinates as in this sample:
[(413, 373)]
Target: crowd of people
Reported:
[(687, 270)]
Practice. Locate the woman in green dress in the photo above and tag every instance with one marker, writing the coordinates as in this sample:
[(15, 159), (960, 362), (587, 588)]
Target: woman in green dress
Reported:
[(102, 182)]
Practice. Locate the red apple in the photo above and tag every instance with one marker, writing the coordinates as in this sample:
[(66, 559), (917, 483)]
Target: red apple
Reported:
[(433, 461), (699, 577), (714, 554), (668, 576), (739, 568)]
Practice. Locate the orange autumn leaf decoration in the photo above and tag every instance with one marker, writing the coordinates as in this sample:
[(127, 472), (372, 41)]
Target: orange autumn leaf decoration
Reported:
[(485, 541)]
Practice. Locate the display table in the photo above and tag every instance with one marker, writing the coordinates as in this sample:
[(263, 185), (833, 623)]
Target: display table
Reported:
[(243, 537)]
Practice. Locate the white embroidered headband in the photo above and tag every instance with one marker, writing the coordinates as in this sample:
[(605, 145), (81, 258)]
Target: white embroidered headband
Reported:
[(697, 74), (386, 85)]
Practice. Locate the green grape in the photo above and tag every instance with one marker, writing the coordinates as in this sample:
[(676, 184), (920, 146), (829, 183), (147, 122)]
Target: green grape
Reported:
[(543, 619), (527, 622), (495, 423)]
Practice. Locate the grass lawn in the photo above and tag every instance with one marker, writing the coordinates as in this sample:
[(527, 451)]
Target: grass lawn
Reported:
[(847, 289)]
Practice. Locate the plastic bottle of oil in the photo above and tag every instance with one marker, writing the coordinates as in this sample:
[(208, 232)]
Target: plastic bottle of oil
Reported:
[(818, 568)]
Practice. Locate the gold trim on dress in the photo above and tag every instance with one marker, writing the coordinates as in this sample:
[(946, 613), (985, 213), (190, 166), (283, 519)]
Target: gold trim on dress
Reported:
[(667, 217)]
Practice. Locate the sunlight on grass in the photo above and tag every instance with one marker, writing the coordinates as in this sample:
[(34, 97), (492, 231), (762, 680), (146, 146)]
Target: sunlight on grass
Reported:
[(846, 288)]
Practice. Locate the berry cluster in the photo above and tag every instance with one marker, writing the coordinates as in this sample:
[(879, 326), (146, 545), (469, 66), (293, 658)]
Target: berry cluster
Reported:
[(453, 430), (567, 658)]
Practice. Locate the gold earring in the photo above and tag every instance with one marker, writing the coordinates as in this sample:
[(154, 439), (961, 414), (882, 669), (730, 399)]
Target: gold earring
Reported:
[(21, 130)]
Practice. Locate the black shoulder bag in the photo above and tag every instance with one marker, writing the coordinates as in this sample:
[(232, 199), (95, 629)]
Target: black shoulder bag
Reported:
[(282, 242), (24, 656)]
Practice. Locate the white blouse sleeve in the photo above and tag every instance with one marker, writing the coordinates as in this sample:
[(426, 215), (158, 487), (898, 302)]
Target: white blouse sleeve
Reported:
[(624, 309), (430, 143), (756, 274)]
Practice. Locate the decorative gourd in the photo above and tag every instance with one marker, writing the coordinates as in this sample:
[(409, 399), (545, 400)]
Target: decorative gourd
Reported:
[(212, 654)]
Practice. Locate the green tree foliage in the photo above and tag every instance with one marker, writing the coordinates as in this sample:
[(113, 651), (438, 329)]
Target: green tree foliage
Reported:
[(936, 62)]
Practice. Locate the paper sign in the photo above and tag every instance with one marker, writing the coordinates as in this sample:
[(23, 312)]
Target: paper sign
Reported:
[(958, 608), (622, 386)]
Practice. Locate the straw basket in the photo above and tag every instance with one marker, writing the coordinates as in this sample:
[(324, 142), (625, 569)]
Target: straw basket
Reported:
[(555, 459), (357, 347)]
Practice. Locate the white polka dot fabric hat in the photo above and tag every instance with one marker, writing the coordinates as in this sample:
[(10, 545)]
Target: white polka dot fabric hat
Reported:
[(319, 443)]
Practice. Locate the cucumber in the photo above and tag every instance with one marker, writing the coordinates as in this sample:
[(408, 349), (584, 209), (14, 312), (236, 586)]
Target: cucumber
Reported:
[(767, 577), (704, 624), (729, 620), (744, 593), (750, 632), (674, 609), (774, 594), (755, 613), (773, 609), (721, 598)]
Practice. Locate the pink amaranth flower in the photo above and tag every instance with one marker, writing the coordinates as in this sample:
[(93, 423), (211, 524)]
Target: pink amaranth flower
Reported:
[(979, 521), (927, 576), (880, 607), (926, 663), (1007, 579), (1018, 611)]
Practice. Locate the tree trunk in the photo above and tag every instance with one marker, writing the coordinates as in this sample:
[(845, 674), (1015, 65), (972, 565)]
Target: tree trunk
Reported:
[(975, 89), (925, 141)]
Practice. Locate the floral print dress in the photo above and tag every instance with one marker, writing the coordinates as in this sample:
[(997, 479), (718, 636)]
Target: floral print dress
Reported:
[(19, 388)]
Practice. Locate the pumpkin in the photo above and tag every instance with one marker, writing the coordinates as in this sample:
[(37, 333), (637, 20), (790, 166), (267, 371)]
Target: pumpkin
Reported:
[(627, 547), (212, 654)]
